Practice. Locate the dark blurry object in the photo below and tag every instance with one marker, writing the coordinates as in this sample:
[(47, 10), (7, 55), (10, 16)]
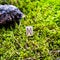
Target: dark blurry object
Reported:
[(9, 14)]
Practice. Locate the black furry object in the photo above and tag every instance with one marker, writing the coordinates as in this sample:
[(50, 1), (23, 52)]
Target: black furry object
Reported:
[(9, 14)]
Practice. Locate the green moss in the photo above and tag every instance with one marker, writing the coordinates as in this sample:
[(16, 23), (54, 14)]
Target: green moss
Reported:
[(44, 16)]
